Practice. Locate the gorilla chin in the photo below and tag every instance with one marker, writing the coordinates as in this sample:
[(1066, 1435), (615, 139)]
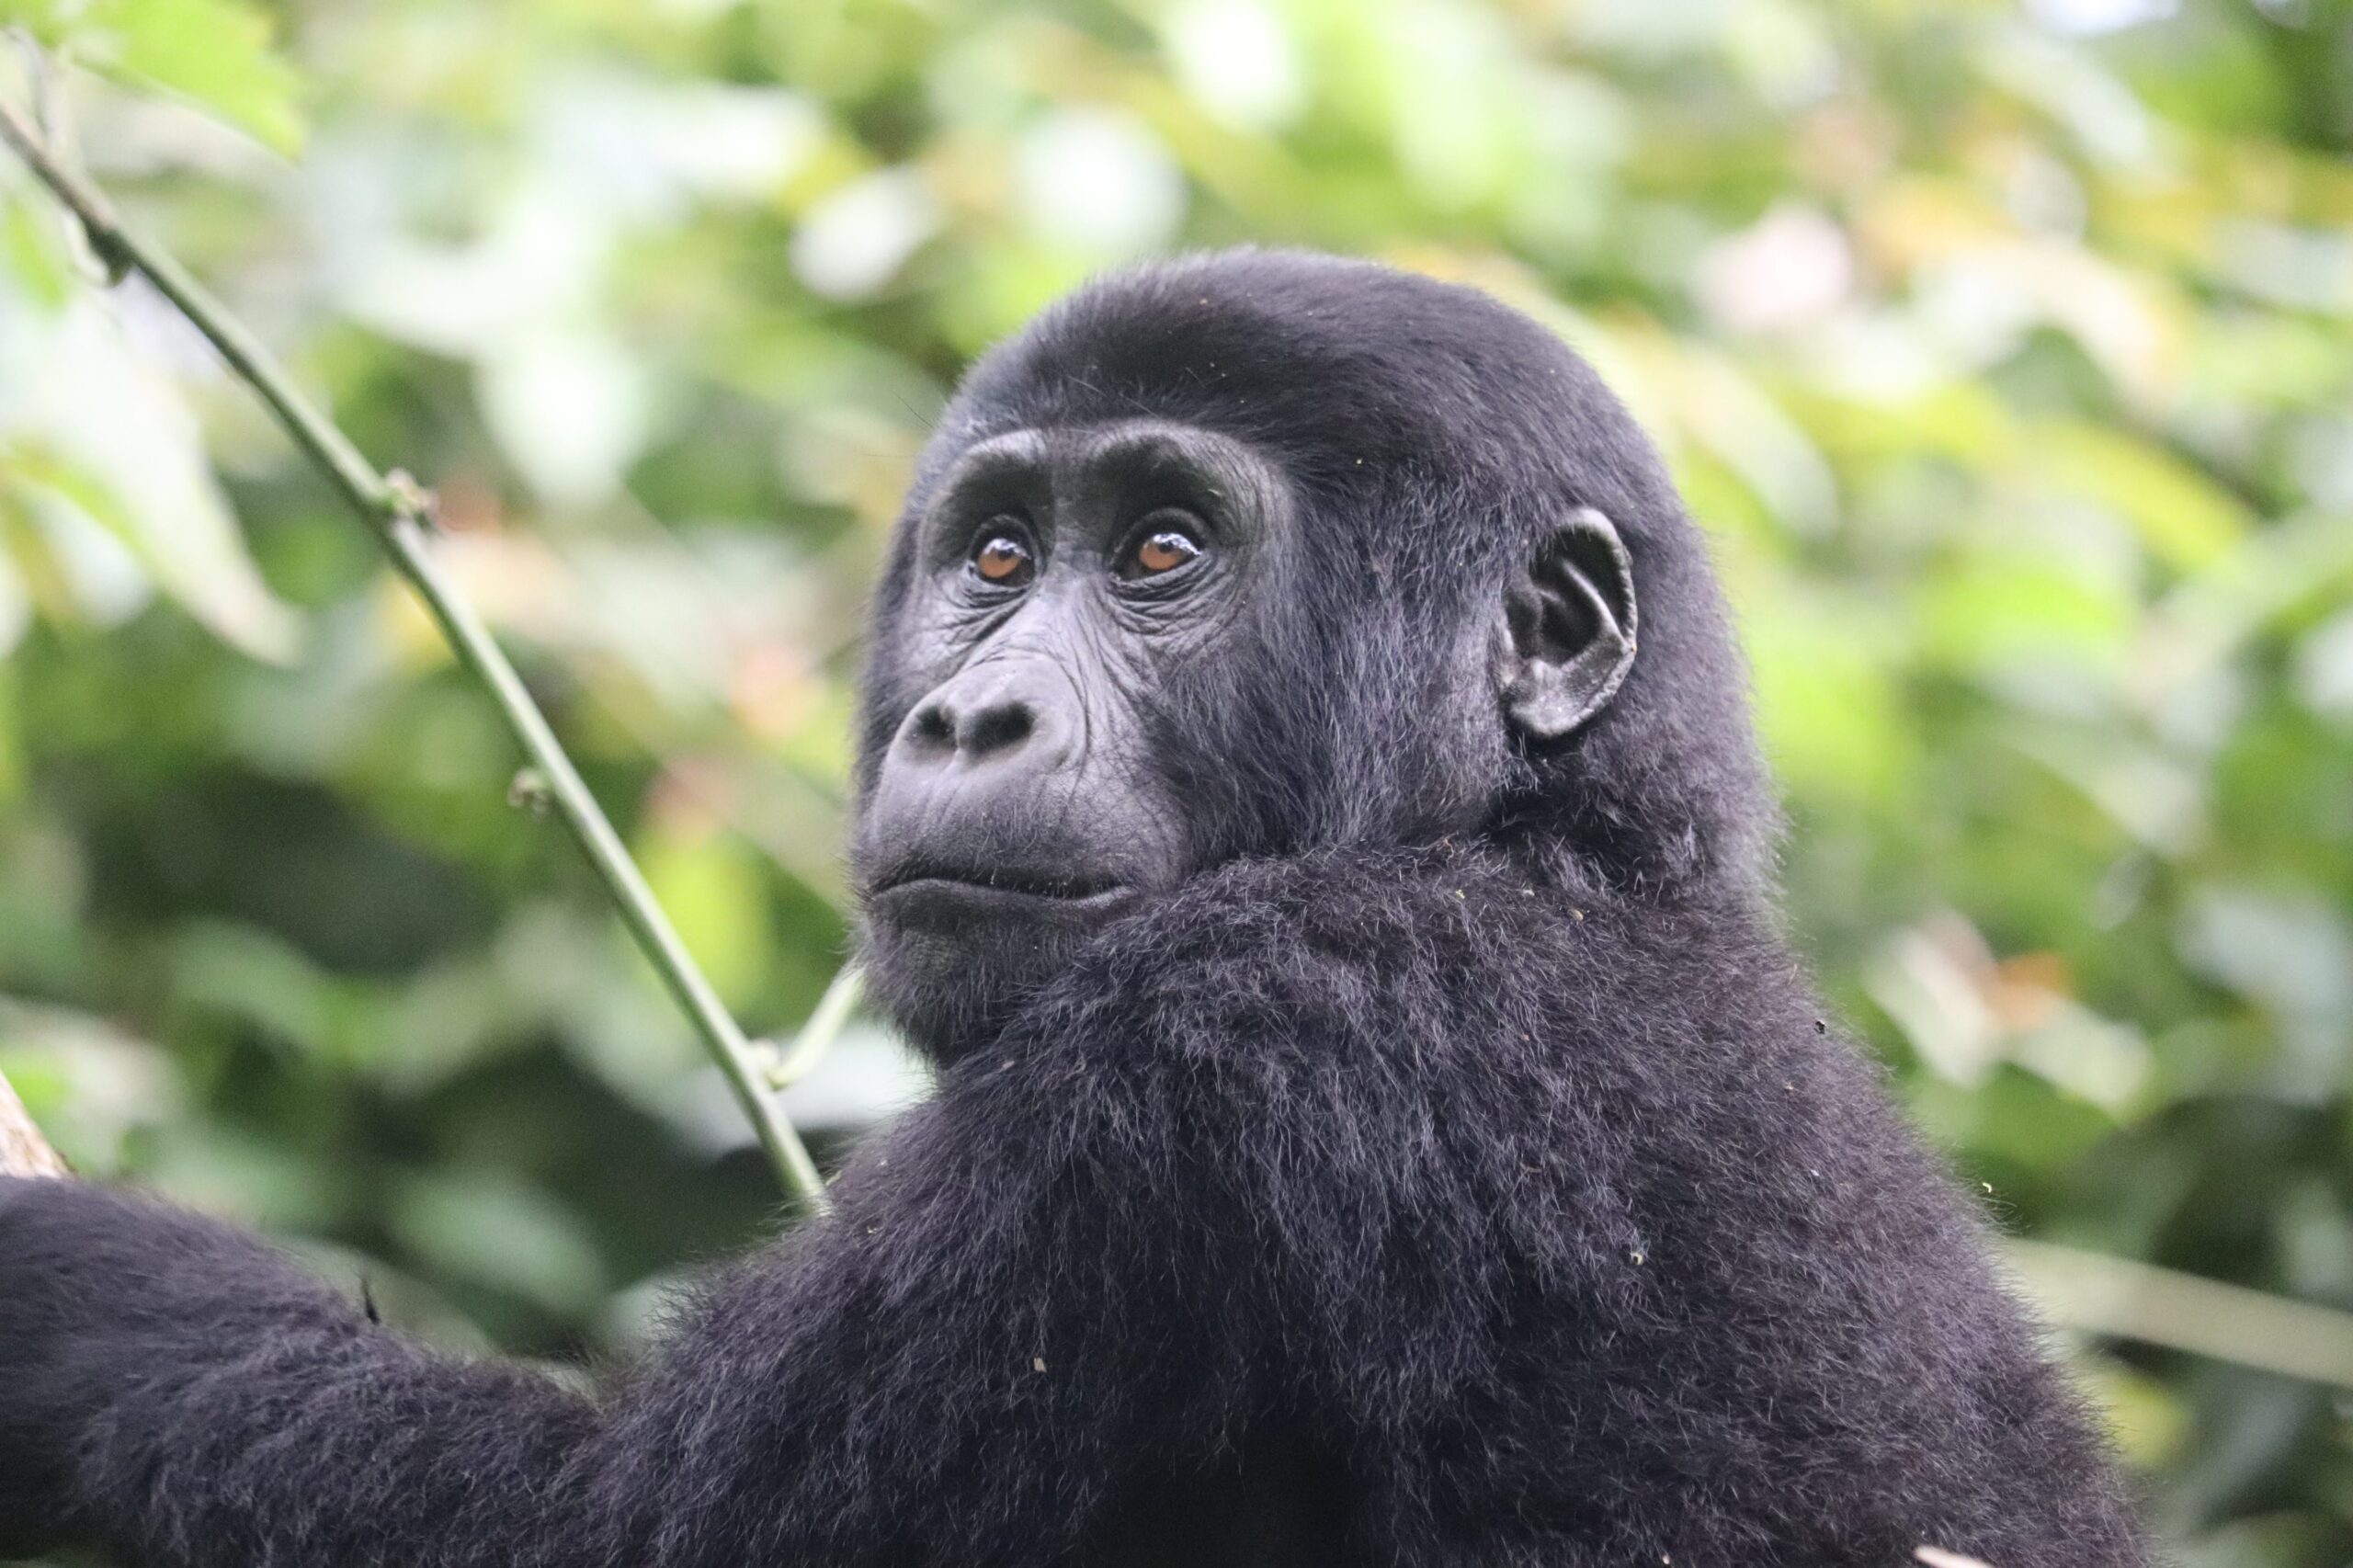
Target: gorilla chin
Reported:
[(954, 952)]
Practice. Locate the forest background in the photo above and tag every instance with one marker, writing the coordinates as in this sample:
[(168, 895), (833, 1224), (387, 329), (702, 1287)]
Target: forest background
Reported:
[(2007, 353)]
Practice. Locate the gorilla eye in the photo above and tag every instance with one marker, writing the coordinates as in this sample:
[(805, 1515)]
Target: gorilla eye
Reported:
[(1003, 557), (1162, 551)]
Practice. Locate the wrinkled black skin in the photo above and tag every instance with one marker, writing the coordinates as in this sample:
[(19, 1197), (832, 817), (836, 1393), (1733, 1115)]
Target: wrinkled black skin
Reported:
[(1435, 1159), (1014, 799)]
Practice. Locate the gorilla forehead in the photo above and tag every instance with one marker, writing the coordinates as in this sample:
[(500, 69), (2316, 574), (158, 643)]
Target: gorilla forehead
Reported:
[(1361, 377)]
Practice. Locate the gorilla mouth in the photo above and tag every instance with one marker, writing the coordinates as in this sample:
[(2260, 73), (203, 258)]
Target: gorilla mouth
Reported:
[(1056, 886)]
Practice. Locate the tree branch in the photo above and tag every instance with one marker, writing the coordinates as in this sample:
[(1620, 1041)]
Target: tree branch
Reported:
[(400, 515)]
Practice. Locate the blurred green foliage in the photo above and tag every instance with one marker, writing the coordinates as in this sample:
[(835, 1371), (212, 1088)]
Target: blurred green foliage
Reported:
[(2007, 353)]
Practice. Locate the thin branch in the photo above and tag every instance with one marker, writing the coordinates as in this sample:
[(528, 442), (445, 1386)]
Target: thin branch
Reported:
[(23, 1150), (2094, 1293), (399, 514), (816, 1036)]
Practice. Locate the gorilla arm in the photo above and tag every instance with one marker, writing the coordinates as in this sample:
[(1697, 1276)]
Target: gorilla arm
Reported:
[(175, 1389), (1038, 1284)]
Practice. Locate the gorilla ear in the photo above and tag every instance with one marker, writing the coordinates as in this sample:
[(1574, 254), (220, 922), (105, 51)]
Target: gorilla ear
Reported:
[(1568, 627)]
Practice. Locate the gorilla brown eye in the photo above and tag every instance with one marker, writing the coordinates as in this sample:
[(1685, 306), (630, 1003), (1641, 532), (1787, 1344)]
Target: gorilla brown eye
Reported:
[(1004, 559), (1162, 551)]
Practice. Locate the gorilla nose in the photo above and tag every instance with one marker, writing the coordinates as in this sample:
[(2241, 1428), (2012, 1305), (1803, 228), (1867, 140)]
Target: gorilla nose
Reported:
[(975, 729), (991, 718)]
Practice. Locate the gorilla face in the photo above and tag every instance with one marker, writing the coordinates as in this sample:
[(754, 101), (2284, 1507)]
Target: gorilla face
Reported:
[(1123, 639), (1070, 586)]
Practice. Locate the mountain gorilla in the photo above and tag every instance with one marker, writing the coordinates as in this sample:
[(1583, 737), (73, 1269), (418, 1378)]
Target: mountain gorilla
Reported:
[(1379, 1120)]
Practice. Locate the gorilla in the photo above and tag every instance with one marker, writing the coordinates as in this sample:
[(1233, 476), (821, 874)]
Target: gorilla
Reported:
[(1306, 808)]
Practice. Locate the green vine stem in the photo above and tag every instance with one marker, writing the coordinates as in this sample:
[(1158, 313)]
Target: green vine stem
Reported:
[(817, 1036), (400, 515)]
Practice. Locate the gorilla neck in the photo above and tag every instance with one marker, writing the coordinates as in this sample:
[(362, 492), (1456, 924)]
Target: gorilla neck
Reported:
[(959, 1000)]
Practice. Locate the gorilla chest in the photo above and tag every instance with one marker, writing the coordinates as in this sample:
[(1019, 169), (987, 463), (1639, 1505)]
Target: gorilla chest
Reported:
[(1281, 1509)]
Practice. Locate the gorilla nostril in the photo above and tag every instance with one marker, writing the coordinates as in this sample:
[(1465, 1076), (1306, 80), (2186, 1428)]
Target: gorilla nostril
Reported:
[(998, 727), (933, 727)]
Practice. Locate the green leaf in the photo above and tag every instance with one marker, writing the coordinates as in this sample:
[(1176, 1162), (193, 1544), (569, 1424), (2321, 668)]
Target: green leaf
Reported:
[(169, 515), (2184, 517), (215, 53), (31, 256), (489, 1227), (1829, 707), (716, 895)]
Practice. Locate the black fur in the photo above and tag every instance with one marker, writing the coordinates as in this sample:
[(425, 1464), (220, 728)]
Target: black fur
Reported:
[(1373, 1197)]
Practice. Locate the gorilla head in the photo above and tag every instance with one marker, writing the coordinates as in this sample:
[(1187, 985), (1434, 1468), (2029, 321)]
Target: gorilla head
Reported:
[(1255, 552)]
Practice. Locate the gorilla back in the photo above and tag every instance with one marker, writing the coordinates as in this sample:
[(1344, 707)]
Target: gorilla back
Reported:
[(1307, 807)]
